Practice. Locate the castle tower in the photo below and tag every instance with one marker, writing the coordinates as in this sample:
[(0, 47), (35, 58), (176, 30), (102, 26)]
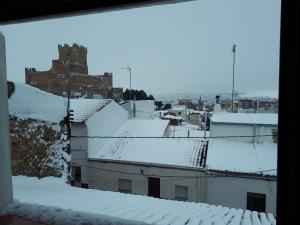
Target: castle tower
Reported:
[(75, 56)]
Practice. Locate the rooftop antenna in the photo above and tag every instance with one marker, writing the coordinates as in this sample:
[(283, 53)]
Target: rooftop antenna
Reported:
[(233, 50)]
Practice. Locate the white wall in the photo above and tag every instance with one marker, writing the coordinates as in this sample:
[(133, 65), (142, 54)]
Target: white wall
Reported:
[(145, 109), (104, 123), (6, 194), (232, 191), (106, 180), (79, 146), (226, 191), (229, 129)]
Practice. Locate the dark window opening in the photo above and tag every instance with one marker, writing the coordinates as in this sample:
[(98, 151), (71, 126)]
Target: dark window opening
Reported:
[(154, 187), (256, 202), (275, 135), (77, 173)]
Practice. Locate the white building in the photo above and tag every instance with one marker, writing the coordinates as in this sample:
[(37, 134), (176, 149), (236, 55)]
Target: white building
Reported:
[(249, 127), (246, 166), (142, 109), (113, 153), (178, 110)]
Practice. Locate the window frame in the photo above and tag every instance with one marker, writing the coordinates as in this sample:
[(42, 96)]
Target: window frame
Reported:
[(124, 190), (187, 193), (13, 11)]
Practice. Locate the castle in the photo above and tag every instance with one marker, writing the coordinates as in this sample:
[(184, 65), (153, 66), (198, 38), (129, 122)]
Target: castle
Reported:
[(69, 74)]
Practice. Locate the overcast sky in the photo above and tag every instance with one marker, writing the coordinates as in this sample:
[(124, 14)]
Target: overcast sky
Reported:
[(176, 48)]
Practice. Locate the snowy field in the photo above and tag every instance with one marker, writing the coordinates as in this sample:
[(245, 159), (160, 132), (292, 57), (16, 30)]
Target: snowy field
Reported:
[(52, 201), (31, 103)]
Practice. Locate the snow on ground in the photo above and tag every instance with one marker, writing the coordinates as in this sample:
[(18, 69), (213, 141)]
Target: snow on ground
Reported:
[(246, 118), (50, 200), (29, 102), (242, 157), (82, 109)]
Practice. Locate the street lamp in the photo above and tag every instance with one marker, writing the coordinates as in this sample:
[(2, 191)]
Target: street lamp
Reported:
[(233, 50), (128, 68)]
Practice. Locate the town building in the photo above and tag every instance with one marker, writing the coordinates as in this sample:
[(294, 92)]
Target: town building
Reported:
[(178, 110), (242, 153), (69, 76), (187, 102), (112, 152), (142, 109)]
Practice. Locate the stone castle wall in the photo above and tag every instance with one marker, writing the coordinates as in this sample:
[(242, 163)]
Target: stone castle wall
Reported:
[(70, 72)]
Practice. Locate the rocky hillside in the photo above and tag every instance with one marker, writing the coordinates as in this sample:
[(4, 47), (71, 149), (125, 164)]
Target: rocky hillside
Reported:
[(38, 132)]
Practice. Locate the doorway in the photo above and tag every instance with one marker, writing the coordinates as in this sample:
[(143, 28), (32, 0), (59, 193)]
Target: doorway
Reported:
[(154, 187)]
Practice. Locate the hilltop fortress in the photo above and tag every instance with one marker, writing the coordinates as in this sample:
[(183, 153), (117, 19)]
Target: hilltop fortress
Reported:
[(70, 73)]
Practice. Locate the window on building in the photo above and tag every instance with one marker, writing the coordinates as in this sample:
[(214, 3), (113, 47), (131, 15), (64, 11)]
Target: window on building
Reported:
[(256, 202), (181, 193), (275, 135), (77, 173), (125, 186)]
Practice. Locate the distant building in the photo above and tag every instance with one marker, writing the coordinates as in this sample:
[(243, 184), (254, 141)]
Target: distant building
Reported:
[(69, 74), (188, 103), (178, 110), (174, 120)]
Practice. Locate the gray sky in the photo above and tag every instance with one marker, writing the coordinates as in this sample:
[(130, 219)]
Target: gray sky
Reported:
[(178, 48)]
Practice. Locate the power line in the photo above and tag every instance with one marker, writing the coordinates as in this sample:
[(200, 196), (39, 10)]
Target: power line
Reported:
[(212, 175), (155, 137)]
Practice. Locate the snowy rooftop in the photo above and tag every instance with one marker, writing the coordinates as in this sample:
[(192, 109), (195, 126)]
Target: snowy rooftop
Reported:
[(178, 152), (245, 118), (242, 157), (83, 109), (172, 117), (136, 143), (178, 107), (142, 127), (31, 103), (50, 200)]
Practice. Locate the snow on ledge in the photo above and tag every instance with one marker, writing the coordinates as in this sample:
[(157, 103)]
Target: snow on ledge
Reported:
[(56, 215), (51, 200)]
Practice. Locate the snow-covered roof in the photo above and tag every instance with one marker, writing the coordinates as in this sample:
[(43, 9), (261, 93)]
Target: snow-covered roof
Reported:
[(177, 152), (242, 157), (82, 109), (178, 107), (245, 118), (172, 117), (51, 200), (31, 103), (142, 128), (136, 143)]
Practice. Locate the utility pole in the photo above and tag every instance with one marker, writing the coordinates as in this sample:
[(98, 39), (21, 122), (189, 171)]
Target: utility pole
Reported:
[(128, 68), (205, 124), (233, 50)]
